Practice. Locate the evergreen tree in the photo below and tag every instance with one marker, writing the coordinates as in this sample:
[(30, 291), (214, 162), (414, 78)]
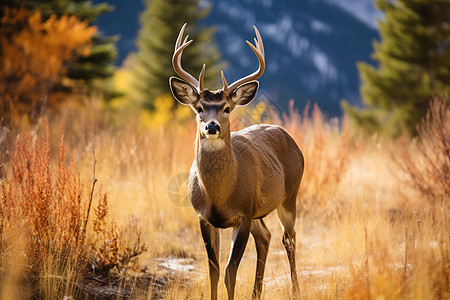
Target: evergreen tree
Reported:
[(413, 65), (99, 64), (161, 23)]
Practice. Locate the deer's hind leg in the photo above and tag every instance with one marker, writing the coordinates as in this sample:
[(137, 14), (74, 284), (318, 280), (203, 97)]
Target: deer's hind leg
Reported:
[(287, 213), (262, 239)]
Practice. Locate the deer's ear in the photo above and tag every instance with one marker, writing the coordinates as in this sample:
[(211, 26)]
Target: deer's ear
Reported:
[(245, 93), (182, 91)]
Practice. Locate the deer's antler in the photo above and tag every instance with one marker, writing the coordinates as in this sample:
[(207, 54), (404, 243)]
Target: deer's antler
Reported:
[(176, 61), (258, 48)]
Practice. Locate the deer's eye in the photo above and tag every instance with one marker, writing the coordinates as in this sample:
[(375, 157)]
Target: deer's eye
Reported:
[(199, 110), (227, 110)]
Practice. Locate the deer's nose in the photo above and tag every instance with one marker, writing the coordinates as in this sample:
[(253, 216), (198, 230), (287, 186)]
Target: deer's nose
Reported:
[(212, 128)]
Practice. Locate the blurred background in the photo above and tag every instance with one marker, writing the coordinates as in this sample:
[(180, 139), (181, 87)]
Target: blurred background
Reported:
[(312, 47), (380, 62)]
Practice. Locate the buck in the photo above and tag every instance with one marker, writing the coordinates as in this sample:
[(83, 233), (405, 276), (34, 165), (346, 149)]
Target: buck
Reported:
[(237, 178)]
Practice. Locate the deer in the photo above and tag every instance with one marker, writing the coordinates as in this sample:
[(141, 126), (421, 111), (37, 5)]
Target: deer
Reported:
[(238, 178)]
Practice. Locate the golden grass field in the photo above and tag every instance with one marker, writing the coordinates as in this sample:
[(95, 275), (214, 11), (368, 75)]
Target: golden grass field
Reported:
[(365, 228)]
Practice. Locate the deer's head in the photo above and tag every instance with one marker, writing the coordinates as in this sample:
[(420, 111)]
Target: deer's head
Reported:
[(213, 108)]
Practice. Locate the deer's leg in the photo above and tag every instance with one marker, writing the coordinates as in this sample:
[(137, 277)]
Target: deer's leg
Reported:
[(211, 237), (240, 238), (287, 219), (262, 239)]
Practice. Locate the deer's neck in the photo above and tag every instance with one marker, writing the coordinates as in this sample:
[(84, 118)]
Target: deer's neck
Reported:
[(216, 166)]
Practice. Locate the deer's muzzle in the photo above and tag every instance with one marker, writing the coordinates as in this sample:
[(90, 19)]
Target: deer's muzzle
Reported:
[(212, 128)]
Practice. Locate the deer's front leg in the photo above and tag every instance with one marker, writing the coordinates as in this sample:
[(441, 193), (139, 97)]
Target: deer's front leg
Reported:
[(262, 239), (240, 238), (211, 237)]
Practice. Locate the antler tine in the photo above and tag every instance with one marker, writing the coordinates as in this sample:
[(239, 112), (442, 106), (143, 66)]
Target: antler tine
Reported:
[(260, 41), (200, 78), (224, 81), (259, 51), (180, 37), (176, 61)]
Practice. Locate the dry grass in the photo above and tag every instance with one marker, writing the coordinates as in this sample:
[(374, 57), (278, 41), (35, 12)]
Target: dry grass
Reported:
[(327, 147), (45, 211), (45, 248), (363, 231)]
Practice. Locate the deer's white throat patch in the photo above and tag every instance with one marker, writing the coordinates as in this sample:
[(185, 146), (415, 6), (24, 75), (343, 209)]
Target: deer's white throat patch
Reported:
[(212, 144)]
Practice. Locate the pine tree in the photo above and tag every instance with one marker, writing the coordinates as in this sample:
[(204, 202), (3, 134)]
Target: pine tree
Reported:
[(161, 23), (99, 64), (413, 66)]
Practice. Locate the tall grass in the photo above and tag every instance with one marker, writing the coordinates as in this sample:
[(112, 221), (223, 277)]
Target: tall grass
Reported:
[(45, 210), (45, 246), (328, 148), (364, 228)]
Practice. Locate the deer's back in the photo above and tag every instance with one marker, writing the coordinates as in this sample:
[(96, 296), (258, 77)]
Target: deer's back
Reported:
[(269, 155)]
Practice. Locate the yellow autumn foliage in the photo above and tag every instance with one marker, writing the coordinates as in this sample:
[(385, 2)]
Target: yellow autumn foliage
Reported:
[(165, 111)]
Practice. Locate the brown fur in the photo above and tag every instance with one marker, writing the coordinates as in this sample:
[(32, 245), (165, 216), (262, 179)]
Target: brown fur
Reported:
[(237, 178), (250, 176)]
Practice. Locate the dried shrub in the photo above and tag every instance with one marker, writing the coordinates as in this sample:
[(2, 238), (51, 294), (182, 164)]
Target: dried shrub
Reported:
[(48, 209), (45, 207), (327, 147), (105, 248), (426, 159), (132, 246), (114, 247)]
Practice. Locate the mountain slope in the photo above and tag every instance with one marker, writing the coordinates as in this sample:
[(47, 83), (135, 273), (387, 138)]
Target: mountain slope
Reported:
[(364, 10), (312, 46)]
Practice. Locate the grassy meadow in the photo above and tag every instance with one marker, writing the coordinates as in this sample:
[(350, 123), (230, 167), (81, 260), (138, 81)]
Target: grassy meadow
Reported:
[(373, 217)]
